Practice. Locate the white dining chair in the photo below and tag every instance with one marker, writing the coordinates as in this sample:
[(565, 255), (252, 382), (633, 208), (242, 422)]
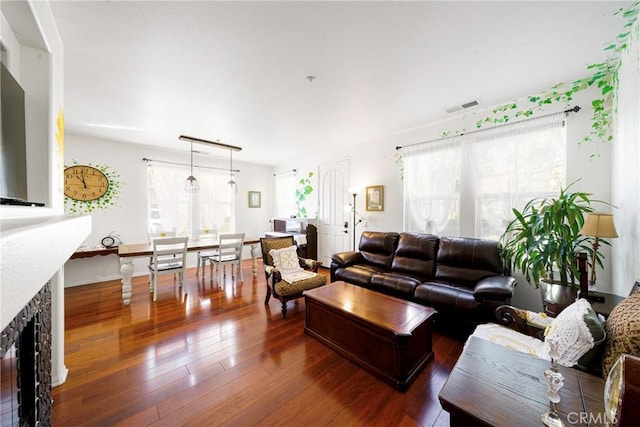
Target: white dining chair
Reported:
[(169, 257), (204, 255), (229, 252)]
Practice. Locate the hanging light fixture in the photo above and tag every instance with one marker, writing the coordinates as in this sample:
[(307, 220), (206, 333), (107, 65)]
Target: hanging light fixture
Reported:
[(191, 184), (232, 179), (191, 179)]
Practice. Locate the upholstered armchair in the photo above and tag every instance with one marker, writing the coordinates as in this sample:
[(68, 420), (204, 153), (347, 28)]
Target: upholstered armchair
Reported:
[(288, 276)]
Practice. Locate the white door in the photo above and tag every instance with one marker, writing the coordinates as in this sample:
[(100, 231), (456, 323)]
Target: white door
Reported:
[(333, 236)]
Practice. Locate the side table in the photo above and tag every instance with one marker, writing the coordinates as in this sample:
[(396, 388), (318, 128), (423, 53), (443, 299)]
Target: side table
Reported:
[(492, 385), (605, 307)]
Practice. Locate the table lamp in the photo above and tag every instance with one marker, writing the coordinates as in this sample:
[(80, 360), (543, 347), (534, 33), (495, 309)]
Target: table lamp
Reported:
[(597, 225)]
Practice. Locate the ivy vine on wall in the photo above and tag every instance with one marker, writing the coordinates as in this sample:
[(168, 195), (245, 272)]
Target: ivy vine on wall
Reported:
[(603, 74), (108, 200)]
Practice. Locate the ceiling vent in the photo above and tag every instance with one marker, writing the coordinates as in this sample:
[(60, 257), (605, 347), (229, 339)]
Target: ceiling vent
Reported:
[(462, 106)]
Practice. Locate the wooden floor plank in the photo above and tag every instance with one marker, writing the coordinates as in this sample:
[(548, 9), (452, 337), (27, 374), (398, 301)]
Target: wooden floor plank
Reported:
[(220, 356)]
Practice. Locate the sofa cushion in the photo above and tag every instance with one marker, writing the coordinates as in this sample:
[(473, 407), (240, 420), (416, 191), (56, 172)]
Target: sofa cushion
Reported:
[(416, 255), (465, 261), (377, 248), (623, 332), (446, 297), (399, 285), (358, 274)]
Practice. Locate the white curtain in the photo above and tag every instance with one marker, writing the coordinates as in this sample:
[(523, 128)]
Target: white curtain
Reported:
[(168, 203), (216, 201), (171, 208), (511, 165), (478, 178), (432, 187), (285, 189)]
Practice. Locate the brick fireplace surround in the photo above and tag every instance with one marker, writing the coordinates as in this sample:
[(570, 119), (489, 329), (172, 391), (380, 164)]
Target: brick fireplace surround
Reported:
[(33, 251)]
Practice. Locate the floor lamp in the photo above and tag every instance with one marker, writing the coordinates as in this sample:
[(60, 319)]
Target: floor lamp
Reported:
[(354, 193), (597, 225)]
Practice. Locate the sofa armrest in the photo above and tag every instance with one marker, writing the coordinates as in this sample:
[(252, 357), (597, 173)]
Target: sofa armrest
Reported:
[(495, 287), (345, 259), (523, 321)]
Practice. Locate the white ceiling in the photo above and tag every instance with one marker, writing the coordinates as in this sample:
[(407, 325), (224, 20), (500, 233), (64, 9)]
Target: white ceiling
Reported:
[(147, 72)]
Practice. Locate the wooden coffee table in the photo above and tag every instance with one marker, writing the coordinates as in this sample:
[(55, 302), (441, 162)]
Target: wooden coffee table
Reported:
[(387, 336), (494, 386)]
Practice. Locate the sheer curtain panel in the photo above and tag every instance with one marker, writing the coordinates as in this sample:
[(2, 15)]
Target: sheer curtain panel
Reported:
[(468, 185)]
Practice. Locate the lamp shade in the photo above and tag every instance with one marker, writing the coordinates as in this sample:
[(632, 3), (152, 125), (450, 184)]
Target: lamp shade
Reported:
[(191, 184), (599, 225)]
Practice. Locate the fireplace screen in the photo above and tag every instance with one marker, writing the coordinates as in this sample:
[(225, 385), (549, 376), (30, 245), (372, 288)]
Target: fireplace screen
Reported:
[(25, 354)]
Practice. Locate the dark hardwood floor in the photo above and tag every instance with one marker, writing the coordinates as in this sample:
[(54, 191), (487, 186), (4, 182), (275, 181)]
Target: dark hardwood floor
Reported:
[(221, 357)]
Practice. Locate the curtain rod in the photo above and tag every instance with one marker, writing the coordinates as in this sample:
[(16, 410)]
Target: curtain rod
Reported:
[(166, 162), (566, 112), (294, 171)]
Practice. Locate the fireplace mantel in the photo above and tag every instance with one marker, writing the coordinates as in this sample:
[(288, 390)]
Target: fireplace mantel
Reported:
[(32, 250)]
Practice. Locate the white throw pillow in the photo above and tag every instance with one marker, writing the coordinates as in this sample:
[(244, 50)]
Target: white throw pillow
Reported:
[(285, 259), (573, 334)]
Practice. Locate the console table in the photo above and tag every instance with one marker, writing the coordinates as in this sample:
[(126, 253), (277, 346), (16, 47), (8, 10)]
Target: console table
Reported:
[(128, 252), (491, 385)]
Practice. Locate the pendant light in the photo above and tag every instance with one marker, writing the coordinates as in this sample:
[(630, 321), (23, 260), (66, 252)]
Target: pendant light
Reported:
[(191, 184), (191, 180), (232, 181)]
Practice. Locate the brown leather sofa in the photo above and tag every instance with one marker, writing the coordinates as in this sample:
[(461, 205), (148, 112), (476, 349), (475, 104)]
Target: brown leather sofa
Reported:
[(460, 277)]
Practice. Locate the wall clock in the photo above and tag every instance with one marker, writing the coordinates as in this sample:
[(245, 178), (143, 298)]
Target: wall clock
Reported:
[(85, 183)]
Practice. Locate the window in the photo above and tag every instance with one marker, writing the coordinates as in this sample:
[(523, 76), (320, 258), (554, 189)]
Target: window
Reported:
[(285, 186), (170, 208), (468, 185)]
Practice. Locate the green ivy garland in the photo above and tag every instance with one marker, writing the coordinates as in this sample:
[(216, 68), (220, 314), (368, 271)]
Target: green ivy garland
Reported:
[(108, 200), (604, 75)]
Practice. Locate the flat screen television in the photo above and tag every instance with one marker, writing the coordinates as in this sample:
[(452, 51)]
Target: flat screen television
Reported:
[(13, 144)]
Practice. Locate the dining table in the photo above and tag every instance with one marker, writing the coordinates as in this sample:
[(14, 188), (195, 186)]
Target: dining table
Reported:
[(130, 251)]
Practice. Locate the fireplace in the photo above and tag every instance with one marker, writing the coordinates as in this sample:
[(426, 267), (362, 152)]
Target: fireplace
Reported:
[(32, 308), (25, 353)]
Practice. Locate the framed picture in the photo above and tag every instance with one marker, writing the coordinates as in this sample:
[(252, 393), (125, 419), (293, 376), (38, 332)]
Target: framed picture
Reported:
[(255, 199), (375, 198)]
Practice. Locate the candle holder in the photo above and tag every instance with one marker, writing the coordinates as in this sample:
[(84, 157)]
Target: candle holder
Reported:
[(555, 381)]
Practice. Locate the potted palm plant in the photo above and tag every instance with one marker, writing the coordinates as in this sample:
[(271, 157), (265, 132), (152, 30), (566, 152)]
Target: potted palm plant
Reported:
[(543, 239)]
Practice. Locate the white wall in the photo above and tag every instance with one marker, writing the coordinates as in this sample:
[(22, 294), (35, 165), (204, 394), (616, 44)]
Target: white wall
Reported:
[(626, 175), (128, 219)]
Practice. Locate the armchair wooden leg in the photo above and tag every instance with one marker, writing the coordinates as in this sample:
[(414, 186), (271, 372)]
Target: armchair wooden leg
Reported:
[(268, 297), (284, 309)]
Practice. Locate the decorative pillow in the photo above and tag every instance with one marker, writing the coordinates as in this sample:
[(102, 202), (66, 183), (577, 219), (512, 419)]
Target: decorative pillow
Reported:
[(285, 259), (623, 331), (576, 337)]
